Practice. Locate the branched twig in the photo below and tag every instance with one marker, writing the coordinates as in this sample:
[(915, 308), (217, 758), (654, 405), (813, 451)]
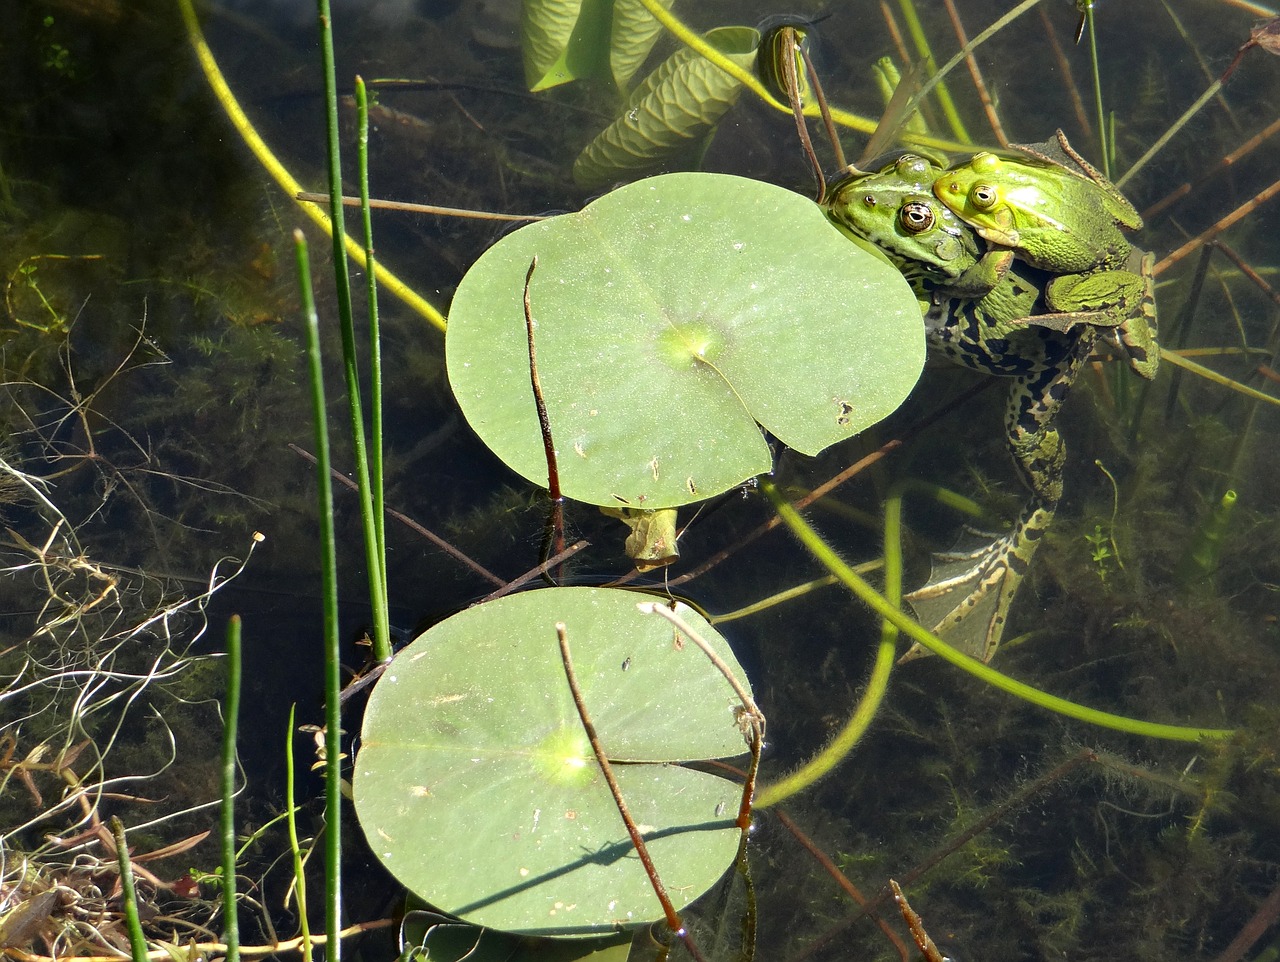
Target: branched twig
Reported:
[(674, 922)]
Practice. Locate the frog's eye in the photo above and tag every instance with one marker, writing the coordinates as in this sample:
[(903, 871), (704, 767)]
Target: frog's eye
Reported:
[(916, 217), (983, 196), (869, 200)]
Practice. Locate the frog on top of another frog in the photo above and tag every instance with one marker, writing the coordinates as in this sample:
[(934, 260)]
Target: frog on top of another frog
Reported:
[(1057, 212), (983, 310)]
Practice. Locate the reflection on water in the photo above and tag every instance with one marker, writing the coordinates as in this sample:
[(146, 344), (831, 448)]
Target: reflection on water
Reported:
[(152, 377)]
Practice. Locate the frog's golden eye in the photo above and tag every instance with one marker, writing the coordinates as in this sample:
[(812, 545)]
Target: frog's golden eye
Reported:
[(916, 217), (983, 196)]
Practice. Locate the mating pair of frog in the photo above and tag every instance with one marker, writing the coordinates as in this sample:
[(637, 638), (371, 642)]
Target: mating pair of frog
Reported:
[(1021, 268)]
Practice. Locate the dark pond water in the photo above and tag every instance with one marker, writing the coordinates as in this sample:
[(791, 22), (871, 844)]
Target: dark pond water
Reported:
[(154, 382)]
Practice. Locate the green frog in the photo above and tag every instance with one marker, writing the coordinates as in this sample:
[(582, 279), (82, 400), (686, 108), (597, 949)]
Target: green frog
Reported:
[(1056, 212), (982, 311)]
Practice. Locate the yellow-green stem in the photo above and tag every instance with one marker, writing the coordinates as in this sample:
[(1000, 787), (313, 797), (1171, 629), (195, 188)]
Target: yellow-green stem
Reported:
[(881, 606), (279, 173), (877, 685)]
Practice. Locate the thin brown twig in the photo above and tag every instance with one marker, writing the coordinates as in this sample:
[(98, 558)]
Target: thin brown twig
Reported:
[(1014, 801), (537, 571), (412, 525), (1217, 228), (1064, 68), (1248, 271), (916, 926), (841, 880), (1243, 150), (544, 424), (984, 95), (402, 205), (674, 922), (815, 84), (791, 81), (895, 34), (1266, 916)]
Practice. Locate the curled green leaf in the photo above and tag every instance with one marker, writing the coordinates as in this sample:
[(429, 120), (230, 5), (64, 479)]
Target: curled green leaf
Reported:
[(631, 37), (676, 105)]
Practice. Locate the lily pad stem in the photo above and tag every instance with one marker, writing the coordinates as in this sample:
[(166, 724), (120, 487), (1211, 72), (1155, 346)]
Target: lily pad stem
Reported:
[(555, 543)]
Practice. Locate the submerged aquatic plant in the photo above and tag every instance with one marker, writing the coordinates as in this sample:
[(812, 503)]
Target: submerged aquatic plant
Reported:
[(1097, 865)]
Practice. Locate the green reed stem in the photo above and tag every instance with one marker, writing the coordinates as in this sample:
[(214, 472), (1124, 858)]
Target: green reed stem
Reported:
[(329, 588), (943, 93), (291, 820), (877, 685), (885, 609), (1097, 93), (342, 283), (980, 38), (129, 894), (375, 366), (1169, 134), (230, 721)]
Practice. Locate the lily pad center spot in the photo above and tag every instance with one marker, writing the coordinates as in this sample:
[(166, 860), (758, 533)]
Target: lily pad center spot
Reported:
[(696, 341), (565, 757)]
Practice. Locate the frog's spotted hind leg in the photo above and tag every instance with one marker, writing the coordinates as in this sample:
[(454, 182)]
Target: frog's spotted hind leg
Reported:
[(975, 624), (989, 576)]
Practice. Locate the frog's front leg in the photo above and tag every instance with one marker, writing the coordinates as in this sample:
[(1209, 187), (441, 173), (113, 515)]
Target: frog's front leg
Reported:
[(1122, 302), (981, 278)]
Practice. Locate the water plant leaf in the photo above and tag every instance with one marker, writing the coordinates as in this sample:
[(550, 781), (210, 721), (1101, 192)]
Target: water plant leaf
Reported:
[(652, 542), (676, 106), (478, 790), (671, 316), (564, 40), (631, 37)]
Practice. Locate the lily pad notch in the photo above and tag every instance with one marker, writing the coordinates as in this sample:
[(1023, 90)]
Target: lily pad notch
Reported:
[(675, 318)]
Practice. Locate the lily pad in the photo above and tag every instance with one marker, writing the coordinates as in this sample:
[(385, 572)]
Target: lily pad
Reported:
[(477, 788), (671, 316)]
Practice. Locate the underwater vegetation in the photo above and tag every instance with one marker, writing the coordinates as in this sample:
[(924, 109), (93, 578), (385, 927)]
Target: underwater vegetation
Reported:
[(154, 382)]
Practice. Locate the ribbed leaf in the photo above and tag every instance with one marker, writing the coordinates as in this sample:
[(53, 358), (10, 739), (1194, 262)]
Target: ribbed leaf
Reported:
[(564, 40), (631, 38), (678, 103)]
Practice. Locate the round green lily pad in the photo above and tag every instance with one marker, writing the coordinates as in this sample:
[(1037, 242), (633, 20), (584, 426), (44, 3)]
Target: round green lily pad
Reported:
[(478, 789), (674, 317)]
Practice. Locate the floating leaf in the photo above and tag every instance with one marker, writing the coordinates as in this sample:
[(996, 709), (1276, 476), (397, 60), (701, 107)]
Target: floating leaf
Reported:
[(476, 787), (671, 316), (675, 106)]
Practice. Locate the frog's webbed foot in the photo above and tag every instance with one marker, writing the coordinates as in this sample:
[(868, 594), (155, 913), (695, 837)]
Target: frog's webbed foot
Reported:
[(967, 598)]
